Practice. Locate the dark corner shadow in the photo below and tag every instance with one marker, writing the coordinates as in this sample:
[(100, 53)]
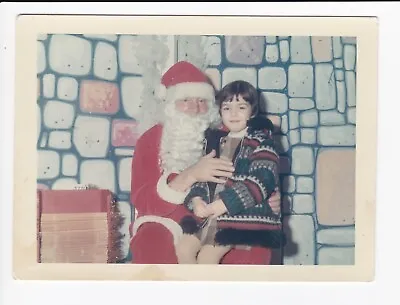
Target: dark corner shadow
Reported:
[(290, 248)]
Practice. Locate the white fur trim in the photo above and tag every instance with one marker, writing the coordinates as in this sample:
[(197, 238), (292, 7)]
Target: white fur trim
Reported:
[(169, 194), (170, 224), (186, 90)]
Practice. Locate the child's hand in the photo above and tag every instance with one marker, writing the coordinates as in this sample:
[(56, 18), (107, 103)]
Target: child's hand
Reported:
[(217, 208), (200, 208)]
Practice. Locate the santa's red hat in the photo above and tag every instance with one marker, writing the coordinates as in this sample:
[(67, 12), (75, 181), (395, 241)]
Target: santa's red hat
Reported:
[(184, 80)]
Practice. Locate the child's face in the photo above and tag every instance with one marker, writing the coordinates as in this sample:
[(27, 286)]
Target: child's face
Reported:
[(235, 114)]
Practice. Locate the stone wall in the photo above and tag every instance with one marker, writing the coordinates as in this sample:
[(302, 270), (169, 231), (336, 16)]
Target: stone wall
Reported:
[(90, 88)]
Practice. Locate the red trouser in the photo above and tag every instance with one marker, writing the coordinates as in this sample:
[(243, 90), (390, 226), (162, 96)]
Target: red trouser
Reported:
[(153, 244)]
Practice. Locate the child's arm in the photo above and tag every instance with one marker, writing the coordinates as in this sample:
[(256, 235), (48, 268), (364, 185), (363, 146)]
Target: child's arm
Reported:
[(197, 192), (196, 200), (253, 189)]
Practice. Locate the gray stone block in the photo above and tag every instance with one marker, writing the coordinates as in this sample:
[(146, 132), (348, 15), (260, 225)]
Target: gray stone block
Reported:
[(272, 78), (48, 164), (301, 80), (303, 204), (64, 184), (337, 236), (341, 96), (304, 185), (105, 65), (70, 55), (331, 117), (100, 173), (301, 103), (272, 53), (325, 89), (231, 74), (303, 160), (294, 137), (339, 74), (309, 118), (336, 256), (308, 135), (91, 136), (67, 88), (338, 63), (49, 85), (336, 135), (300, 49), (41, 57), (245, 50), (60, 139), (69, 165), (58, 115), (131, 95), (284, 50), (294, 119), (351, 115), (275, 102), (349, 57), (337, 47), (43, 140), (350, 78), (124, 174)]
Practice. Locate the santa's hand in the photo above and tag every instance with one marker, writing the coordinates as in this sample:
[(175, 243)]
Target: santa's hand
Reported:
[(275, 201), (200, 208), (208, 168)]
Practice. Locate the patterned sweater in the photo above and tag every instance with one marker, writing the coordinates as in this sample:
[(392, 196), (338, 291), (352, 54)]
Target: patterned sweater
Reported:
[(249, 219)]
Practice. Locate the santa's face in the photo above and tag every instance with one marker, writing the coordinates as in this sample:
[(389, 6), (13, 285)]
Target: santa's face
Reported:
[(192, 106)]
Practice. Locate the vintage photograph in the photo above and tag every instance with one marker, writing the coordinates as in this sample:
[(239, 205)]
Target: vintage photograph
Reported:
[(186, 149)]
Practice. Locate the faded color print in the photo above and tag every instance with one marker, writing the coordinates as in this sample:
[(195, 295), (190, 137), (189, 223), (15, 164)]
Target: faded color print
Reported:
[(89, 94)]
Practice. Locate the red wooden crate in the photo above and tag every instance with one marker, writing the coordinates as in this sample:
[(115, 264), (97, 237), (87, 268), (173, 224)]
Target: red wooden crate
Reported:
[(78, 226)]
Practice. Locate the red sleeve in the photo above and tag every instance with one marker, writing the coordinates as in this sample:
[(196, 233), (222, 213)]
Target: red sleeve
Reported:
[(145, 176)]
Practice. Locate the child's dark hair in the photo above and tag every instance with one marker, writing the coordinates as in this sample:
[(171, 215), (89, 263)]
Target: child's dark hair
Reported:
[(236, 88)]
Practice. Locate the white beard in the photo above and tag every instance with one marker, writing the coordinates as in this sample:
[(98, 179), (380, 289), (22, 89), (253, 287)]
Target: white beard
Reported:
[(182, 139)]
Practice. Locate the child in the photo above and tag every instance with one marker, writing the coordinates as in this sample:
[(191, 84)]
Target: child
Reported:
[(236, 213)]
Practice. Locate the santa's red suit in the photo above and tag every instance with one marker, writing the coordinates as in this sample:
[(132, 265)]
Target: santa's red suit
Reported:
[(156, 229)]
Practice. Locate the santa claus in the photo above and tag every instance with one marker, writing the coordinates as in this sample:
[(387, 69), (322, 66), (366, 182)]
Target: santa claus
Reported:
[(168, 159)]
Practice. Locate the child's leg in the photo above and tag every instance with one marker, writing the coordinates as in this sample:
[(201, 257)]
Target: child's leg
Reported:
[(187, 249), (211, 254)]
